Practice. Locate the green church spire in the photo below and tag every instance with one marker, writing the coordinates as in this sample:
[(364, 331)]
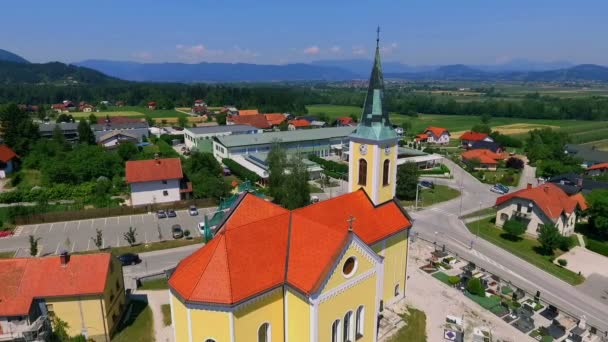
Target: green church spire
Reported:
[(375, 124)]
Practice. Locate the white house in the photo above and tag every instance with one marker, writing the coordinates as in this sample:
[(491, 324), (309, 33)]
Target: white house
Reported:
[(156, 181), (113, 139), (546, 204), (435, 135), (7, 161)]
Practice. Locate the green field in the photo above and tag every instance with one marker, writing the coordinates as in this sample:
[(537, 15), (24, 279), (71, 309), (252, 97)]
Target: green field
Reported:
[(427, 197), (132, 111)]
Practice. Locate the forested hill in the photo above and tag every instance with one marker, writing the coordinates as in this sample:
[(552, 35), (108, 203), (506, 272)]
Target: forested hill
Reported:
[(50, 73), (8, 56)]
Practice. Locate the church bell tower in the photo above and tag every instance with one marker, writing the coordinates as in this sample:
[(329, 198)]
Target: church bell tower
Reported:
[(373, 145)]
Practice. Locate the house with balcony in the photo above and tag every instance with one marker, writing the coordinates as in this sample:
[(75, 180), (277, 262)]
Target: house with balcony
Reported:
[(434, 135), (85, 291), (156, 181), (546, 204)]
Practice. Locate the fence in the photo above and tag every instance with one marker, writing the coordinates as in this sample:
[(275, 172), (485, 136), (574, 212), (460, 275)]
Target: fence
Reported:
[(106, 212), (602, 334)]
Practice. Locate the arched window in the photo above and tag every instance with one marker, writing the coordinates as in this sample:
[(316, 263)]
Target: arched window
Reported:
[(359, 322), (264, 333), (335, 331), (209, 340), (362, 172), (347, 335), (385, 172), (396, 290)]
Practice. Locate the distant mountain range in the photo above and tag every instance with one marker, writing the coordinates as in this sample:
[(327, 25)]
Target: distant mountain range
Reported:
[(15, 69)]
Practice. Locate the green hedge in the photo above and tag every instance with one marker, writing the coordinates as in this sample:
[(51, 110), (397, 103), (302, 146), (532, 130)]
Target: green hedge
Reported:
[(597, 246), (328, 165), (436, 171), (241, 171)]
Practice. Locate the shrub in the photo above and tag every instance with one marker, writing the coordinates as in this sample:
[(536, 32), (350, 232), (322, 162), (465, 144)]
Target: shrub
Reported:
[(454, 280), (241, 171), (566, 243), (515, 163), (562, 262), (474, 287), (514, 228), (329, 165), (597, 246)]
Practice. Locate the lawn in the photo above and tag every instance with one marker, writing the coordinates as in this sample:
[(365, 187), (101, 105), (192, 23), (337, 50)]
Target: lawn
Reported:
[(166, 310), (525, 248), (154, 246), (136, 113), (314, 189), (482, 212), (442, 277), (139, 326), (503, 176), (155, 284), (485, 302), (427, 197), (415, 330), (7, 255)]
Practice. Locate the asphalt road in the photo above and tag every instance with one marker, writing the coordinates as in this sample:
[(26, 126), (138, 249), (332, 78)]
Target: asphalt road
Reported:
[(54, 236)]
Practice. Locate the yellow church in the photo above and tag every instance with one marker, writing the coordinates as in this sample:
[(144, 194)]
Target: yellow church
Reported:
[(319, 273)]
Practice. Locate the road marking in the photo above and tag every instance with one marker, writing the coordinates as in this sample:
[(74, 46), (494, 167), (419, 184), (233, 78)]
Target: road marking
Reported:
[(130, 220), (19, 230), (65, 227), (57, 249), (105, 222), (142, 218), (146, 237), (78, 227), (103, 243), (51, 229), (117, 241), (89, 245), (73, 246)]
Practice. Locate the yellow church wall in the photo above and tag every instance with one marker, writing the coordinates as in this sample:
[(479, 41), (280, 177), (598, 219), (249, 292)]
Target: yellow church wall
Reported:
[(385, 192), (394, 251), (336, 307), (209, 324), (180, 319), (298, 318), (249, 318), (369, 157), (80, 313), (337, 278)]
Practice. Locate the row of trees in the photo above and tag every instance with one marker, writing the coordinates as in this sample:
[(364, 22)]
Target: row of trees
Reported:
[(545, 150)]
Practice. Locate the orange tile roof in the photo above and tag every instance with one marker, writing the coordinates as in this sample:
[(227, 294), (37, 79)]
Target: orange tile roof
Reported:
[(580, 199), (296, 247), (345, 120), (473, 136), (484, 156), (248, 112), (153, 170), (275, 118), (437, 131), (599, 166), (6, 153), (299, 123), (257, 120), (24, 279), (550, 198)]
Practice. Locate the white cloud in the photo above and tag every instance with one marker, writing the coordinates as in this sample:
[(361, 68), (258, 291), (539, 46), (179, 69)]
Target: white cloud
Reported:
[(335, 49), (390, 48), (359, 50), (312, 50)]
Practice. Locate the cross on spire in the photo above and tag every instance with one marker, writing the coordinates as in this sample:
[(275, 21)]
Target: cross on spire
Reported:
[(378, 36), (350, 221)]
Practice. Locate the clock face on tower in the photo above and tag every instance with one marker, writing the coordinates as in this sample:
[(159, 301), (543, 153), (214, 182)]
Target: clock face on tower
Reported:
[(363, 149), (387, 150)]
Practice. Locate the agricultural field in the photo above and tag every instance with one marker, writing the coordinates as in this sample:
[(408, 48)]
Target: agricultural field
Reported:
[(129, 113), (601, 145), (140, 111)]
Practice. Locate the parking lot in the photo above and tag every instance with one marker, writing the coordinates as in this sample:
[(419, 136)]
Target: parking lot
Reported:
[(78, 235)]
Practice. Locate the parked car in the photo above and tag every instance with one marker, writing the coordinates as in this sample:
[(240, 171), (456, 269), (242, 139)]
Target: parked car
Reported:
[(193, 211), (161, 214), (314, 199), (201, 228), (504, 188), (171, 213), (497, 190), (129, 259), (177, 232), (427, 184), (227, 171)]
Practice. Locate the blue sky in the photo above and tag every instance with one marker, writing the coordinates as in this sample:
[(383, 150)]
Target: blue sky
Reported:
[(415, 32)]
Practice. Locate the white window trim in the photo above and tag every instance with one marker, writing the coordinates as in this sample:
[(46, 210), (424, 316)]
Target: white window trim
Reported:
[(268, 331), (360, 321)]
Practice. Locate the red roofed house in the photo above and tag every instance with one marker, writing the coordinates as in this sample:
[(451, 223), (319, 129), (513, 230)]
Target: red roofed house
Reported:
[(487, 159), (435, 135), (470, 137), (275, 119), (547, 204), (200, 107), (298, 124), (256, 120), (597, 169), (8, 159), (85, 291), (345, 121), (248, 112), (152, 105), (156, 181)]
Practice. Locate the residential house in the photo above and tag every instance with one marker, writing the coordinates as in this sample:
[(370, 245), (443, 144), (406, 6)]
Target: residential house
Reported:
[(546, 204), (28, 108), (113, 139), (589, 154), (597, 169), (482, 159), (470, 137), (275, 119), (255, 120), (298, 124), (199, 107), (152, 105), (248, 112), (120, 103), (68, 129), (486, 145), (318, 124), (345, 121), (201, 138), (137, 129), (60, 108), (572, 183), (8, 161), (399, 130), (85, 291), (229, 110), (156, 181), (434, 135)]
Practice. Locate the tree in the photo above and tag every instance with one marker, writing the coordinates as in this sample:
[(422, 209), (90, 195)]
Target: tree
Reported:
[(131, 236), (220, 118), (549, 238), (59, 138), (283, 126), (18, 130), (149, 120), (33, 245), (407, 180), (41, 114), (64, 118), (514, 228), (482, 129), (597, 201), (127, 151), (406, 125), (98, 238), (85, 135), (208, 185), (60, 330), (277, 164), (514, 163), (475, 287), (296, 191), (485, 118), (92, 119), (473, 164), (182, 121), (323, 117), (354, 117)]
